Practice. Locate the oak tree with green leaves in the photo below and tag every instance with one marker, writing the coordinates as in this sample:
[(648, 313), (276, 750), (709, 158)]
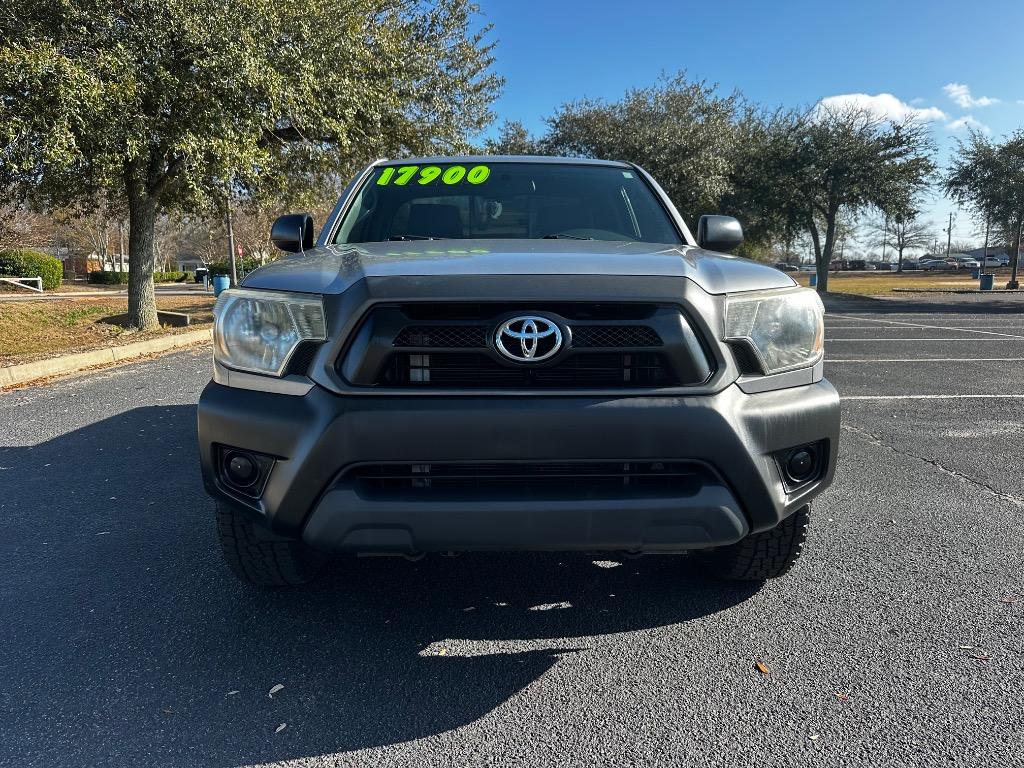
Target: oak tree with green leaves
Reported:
[(178, 104), (806, 170), (988, 176), (679, 130)]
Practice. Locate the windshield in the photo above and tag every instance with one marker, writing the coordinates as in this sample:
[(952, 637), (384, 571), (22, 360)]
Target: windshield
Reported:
[(506, 200)]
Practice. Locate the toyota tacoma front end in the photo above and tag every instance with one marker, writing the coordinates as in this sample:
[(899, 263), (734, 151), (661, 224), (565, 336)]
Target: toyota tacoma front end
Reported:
[(493, 353)]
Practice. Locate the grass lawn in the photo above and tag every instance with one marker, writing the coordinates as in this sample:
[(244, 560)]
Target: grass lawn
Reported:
[(882, 283), (33, 330)]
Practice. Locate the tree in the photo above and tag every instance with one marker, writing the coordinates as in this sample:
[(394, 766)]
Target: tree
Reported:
[(988, 176), (807, 170), (679, 131), (513, 139), (907, 231), (183, 103)]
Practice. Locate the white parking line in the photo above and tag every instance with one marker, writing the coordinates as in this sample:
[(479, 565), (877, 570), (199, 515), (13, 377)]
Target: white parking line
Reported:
[(928, 360), (931, 397), (838, 327), (932, 327), (970, 338)]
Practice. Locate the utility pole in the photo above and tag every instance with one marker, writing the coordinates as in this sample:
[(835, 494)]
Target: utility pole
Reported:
[(984, 255), (949, 235), (231, 245), (1014, 262)]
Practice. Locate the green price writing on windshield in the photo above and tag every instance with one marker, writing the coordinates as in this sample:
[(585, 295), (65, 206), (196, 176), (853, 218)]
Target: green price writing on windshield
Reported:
[(455, 174)]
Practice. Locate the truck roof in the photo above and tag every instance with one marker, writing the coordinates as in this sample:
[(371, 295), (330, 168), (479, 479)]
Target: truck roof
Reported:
[(467, 159)]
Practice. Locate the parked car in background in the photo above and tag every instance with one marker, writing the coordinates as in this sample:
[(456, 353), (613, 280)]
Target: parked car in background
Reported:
[(967, 262), (201, 273), (808, 268), (883, 266), (932, 265), (995, 261), (786, 267), (909, 265), (858, 265)]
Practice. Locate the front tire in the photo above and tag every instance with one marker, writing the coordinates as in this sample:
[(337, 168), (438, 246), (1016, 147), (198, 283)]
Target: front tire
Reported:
[(261, 560), (765, 555)]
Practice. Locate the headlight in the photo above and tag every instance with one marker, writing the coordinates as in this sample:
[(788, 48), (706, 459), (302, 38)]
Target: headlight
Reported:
[(257, 331), (785, 329)]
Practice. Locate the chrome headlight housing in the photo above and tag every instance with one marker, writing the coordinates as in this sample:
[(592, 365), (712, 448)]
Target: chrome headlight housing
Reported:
[(785, 329), (257, 331)]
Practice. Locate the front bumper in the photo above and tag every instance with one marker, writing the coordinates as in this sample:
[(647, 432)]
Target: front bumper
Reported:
[(734, 436)]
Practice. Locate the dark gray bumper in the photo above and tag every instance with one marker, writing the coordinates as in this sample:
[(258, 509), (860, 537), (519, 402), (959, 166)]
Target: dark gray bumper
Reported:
[(318, 436)]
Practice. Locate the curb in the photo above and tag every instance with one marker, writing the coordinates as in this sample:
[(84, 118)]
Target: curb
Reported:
[(20, 374), (955, 290)]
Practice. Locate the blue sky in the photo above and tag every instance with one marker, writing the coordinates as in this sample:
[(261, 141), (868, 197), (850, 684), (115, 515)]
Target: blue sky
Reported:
[(959, 62)]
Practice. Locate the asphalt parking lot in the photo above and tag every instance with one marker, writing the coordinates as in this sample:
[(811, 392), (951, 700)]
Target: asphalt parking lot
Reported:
[(896, 641)]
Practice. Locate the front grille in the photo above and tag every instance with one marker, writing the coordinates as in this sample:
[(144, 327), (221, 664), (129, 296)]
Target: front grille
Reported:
[(596, 479), (442, 336), (475, 336), (614, 336), (479, 371), (450, 346)]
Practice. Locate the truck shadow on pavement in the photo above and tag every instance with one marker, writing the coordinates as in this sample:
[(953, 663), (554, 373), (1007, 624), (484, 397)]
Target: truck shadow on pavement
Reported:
[(128, 642)]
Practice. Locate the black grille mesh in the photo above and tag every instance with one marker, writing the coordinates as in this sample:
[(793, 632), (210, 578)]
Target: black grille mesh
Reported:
[(603, 478), (614, 336), (442, 336), (475, 336), (466, 370)]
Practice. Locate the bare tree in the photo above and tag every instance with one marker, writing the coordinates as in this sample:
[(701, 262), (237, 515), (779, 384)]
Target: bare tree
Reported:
[(909, 231)]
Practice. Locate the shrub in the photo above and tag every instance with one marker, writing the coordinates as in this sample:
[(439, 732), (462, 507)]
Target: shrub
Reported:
[(25, 263), (169, 277), (244, 266), (121, 278), (103, 277)]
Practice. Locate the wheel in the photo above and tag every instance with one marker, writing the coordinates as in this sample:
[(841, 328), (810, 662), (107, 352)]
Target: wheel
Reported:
[(765, 555), (260, 559)]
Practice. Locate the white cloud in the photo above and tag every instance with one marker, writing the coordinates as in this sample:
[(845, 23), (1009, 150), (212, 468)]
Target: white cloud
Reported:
[(961, 96), (883, 105), (968, 121)]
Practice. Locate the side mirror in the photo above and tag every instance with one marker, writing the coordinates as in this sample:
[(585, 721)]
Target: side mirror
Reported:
[(293, 232), (719, 233)]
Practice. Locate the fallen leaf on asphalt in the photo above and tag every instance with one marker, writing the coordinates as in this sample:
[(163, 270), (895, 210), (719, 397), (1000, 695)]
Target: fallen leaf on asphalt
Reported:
[(168, 711), (1009, 599), (762, 668), (231, 693), (275, 689), (281, 727), (815, 736), (966, 647), (843, 695), (980, 656)]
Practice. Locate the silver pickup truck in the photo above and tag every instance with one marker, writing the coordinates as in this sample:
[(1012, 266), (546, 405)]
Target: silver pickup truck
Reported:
[(514, 353)]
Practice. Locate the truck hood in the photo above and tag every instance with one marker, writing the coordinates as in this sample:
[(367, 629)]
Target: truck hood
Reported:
[(333, 269)]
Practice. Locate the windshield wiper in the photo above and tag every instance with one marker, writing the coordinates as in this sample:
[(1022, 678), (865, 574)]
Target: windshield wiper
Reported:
[(411, 237), (565, 237)]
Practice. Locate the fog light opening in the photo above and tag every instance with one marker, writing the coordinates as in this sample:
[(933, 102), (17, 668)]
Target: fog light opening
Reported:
[(801, 465), (241, 469)]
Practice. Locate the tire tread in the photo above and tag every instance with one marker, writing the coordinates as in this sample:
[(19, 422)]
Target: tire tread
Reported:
[(264, 562)]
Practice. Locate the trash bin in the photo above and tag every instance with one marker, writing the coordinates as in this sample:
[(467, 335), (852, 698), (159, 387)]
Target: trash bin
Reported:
[(220, 283), (814, 280), (987, 281)]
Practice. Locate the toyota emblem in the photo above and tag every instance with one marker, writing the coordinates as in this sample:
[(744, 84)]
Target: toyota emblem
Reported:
[(528, 339)]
